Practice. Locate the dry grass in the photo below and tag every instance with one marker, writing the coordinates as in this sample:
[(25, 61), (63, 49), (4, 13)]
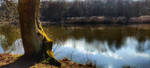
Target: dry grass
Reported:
[(15, 61)]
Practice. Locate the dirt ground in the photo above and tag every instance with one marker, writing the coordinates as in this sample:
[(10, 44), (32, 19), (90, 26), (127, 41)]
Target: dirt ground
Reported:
[(14, 61)]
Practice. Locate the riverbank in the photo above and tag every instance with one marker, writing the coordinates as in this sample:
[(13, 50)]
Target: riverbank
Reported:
[(144, 26), (93, 20), (14, 61), (101, 20)]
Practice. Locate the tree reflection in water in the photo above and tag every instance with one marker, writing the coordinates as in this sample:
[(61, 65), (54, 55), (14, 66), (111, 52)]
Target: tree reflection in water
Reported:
[(104, 46)]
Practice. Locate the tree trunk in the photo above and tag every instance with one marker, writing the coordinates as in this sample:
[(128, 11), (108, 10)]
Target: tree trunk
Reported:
[(35, 41), (28, 11)]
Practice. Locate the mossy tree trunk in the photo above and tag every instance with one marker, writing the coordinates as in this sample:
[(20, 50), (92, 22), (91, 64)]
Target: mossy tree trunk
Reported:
[(35, 41), (27, 18)]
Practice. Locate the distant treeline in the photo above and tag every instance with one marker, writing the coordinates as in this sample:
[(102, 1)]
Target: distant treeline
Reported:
[(8, 11), (88, 11), (58, 10)]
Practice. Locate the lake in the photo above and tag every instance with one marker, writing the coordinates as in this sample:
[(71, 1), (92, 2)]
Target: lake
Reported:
[(103, 46)]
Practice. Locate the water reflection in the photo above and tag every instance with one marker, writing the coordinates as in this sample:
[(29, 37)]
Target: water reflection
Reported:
[(114, 35), (101, 54), (16, 48), (108, 47), (8, 35), (2, 40)]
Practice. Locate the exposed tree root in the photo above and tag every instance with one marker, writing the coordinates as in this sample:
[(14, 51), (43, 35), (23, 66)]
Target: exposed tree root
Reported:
[(47, 54)]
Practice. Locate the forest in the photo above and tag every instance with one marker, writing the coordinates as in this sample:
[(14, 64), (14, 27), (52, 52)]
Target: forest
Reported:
[(100, 11)]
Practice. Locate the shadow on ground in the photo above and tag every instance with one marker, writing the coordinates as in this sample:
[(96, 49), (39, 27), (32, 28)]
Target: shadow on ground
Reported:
[(8, 61), (21, 63)]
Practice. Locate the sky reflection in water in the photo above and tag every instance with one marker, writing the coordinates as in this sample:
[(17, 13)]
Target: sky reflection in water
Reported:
[(131, 53), (100, 53)]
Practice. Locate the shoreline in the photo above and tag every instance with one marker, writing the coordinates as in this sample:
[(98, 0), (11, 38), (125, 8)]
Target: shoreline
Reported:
[(14, 61), (144, 26), (93, 21), (48, 23)]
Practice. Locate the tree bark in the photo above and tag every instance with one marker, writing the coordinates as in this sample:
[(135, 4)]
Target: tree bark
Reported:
[(35, 41), (27, 17)]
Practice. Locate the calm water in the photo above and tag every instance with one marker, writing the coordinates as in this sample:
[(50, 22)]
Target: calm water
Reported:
[(107, 47)]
